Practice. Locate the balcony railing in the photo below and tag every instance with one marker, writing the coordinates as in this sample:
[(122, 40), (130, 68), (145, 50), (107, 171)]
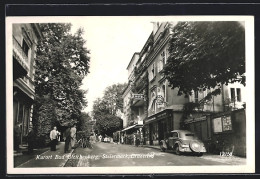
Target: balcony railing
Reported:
[(19, 54)]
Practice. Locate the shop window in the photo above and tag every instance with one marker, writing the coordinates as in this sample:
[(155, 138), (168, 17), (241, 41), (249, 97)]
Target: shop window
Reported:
[(25, 48)]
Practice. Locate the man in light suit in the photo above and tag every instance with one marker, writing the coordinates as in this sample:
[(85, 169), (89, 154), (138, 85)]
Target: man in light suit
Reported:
[(53, 137)]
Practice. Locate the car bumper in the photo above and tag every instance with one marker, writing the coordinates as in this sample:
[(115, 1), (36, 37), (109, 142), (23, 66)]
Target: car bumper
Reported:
[(187, 149)]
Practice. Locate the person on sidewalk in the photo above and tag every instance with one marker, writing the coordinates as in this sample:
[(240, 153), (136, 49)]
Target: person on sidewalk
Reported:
[(30, 140), (17, 136), (53, 137), (66, 137), (73, 131)]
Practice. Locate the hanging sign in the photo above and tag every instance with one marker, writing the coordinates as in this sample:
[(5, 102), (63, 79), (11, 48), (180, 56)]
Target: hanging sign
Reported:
[(138, 96)]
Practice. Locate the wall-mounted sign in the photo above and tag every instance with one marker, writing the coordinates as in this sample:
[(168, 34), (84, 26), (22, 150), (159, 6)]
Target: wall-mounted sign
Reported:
[(217, 125), (227, 125)]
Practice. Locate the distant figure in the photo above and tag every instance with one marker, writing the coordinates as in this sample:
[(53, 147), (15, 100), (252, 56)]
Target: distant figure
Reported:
[(122, 139), (73, 131), (66, 137), (138, 138), (30, 140), (53, 137), (100, 138)]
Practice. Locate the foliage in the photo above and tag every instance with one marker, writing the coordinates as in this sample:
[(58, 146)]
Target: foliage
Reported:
[(205, 55), (85, 123), (104, 110), (61, 64), (108, 123), (113, 97)]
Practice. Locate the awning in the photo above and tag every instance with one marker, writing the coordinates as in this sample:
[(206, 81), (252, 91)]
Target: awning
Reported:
[(158, 116), (130, 127)]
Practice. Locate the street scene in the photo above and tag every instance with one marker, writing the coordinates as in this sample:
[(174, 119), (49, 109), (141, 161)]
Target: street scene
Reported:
[(139, 92), (111, 155)]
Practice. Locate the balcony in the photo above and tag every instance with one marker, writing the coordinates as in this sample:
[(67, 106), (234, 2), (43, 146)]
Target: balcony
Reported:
[(19, 55)]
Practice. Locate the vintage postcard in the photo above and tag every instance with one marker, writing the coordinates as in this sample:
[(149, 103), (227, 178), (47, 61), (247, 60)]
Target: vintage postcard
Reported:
[(124, 95)]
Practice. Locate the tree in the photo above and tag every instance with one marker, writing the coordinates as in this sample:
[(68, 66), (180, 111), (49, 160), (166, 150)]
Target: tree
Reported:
[(113, 97), (205, 55), (61, 64), (85, 123), (104, 110)]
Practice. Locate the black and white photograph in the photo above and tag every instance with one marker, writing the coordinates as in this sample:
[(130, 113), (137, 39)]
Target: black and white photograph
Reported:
[(130, 94)]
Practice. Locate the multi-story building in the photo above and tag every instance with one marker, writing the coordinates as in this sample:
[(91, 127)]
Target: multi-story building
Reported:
[(162, 109), (165, 106), (25, 37)]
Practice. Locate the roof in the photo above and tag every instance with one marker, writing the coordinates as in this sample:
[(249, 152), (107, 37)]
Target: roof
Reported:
[(136, 53)]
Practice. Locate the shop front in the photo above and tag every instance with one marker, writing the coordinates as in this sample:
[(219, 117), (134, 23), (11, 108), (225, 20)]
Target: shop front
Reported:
[(157, 127), (128, 135)]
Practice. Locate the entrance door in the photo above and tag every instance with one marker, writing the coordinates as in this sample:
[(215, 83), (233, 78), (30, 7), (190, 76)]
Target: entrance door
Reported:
[(161, 130)]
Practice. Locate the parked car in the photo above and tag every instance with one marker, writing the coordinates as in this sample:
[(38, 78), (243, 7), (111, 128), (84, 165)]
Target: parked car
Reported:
[(181, 141)]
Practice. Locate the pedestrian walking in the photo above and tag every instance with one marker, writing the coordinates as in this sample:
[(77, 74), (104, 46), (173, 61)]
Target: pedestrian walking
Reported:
[(30, 140), (66, 137), (73, 131), (53, 137)]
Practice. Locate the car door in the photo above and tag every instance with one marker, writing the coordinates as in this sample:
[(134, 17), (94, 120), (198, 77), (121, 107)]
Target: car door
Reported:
[(173, 138)]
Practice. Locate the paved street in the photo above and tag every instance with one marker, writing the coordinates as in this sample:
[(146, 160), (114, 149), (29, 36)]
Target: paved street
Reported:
[(107, 153), (110, 154)]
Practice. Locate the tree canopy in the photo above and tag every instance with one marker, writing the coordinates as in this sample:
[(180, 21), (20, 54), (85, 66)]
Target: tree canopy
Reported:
[(205, 55), (61, 64), (104, 110)]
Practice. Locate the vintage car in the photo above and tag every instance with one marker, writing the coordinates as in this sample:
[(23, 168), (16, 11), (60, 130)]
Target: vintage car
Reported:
[(181, 141)]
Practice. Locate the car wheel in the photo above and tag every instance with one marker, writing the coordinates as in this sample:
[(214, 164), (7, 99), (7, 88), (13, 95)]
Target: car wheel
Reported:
[(177, 150)]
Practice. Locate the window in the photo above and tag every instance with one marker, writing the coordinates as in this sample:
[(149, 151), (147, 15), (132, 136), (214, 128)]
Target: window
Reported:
[(25, 48), (152, 73), (153, 98), (238, 95), (175, 134), (196, 96), (164, 92), (235, 94), (232, 94), (163, 57)]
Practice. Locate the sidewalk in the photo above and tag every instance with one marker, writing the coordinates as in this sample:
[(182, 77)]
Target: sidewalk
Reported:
[(48, 158)]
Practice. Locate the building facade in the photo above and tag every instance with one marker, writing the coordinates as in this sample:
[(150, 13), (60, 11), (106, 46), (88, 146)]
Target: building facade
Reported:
[(25, 38), (149, 99)]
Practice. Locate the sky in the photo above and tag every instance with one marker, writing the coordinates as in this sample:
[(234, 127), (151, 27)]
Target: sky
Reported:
[(112, 42)]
